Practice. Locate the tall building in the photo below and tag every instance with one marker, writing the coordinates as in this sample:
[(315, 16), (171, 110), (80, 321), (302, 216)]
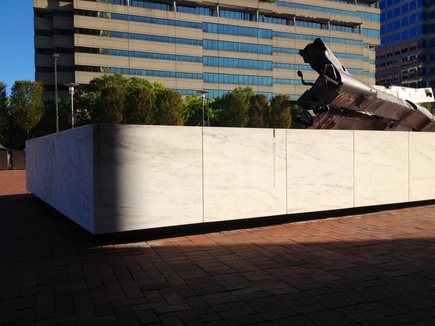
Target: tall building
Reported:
[(191, 45), (406, 56)]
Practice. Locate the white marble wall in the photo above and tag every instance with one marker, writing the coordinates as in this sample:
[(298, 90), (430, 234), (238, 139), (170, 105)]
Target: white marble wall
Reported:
[(320, 173), (381, 167), (147, 177), (112, 178), (59, 170), (421, 166), (244, 173)]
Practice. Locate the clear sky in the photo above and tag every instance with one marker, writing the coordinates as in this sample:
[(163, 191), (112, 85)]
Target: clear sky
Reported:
[(17, 59)]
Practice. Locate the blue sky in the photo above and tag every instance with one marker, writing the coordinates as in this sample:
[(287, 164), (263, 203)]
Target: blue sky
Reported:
[(16, 41)]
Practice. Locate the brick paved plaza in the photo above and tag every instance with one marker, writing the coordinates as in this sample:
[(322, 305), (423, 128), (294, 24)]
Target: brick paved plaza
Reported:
[(367, 268)]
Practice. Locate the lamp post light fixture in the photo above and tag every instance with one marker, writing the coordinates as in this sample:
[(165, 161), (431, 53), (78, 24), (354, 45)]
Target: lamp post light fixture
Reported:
[(55, 57), (71, 92), (203, 92)]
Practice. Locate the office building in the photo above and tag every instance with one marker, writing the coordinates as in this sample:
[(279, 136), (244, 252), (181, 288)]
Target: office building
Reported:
[(215, 45), (406, 54)]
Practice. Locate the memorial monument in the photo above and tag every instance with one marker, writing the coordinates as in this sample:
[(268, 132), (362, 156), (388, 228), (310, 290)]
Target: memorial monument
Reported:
[(337, 100), (116, 178)]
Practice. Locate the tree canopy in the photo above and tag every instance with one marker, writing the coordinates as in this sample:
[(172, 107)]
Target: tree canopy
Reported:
[(27, 105), (170, 108), (279, 117), (117, 99)]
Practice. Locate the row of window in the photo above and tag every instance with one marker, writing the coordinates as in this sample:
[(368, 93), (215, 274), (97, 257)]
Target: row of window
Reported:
[(364, 15), (394, 50), (411, 60), (240, 15), (237, 47), (404, 22), (139, 54), (206, 77), (206, 60), (215, 93), (50, 70), (243, 31), (136, 36), (50, 14), (238, 63), (50, 51), (313, 37), (227, 29), (237, 30), (383, 4), (52, 32), (404, 35), (395, 78), (221, 45)]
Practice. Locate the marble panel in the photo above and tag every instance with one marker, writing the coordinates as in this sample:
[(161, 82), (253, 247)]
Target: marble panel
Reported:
[(147, 177), (381, 168), (421, 166), (244, 173), (319, 170), (59, 170)]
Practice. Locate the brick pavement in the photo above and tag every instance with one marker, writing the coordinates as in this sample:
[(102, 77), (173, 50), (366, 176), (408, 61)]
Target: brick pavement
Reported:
[(375, 269)]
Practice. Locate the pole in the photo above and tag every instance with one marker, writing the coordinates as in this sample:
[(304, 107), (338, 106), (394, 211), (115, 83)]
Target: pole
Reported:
[(208, 114), (71, 92), (55, 57), (203, 92), (203, 96), (72, 107)]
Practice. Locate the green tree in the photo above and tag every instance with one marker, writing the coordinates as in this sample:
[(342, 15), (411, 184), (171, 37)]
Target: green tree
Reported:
[(47, 125), (279, 117), (258, 111), (298, 113), (429, 106), (140, 105), (4, 115), (245, 90), (88, 98), (135, 82), (27, 105), (193, 110), (99, 83), (111, 104), (157, 87), (169, 108), (234, 109)]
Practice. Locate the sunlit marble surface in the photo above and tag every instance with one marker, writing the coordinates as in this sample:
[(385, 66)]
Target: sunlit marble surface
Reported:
[(320, 170), (147, 177), (381, 167), (422, 166), (113, 178), (244, 173)]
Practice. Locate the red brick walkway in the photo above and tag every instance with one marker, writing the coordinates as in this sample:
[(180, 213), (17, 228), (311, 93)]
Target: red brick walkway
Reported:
[(12, 182), (373, 269)]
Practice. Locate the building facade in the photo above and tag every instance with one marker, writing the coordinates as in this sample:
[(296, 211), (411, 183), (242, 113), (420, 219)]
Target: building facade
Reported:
[(213, 45), (406, 56)]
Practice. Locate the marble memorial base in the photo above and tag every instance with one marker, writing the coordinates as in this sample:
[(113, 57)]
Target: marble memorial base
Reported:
[(114, 178)]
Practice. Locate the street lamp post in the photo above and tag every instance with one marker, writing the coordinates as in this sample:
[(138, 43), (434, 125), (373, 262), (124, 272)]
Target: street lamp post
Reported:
[(203, 92), (55, 57), (71, 92)]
